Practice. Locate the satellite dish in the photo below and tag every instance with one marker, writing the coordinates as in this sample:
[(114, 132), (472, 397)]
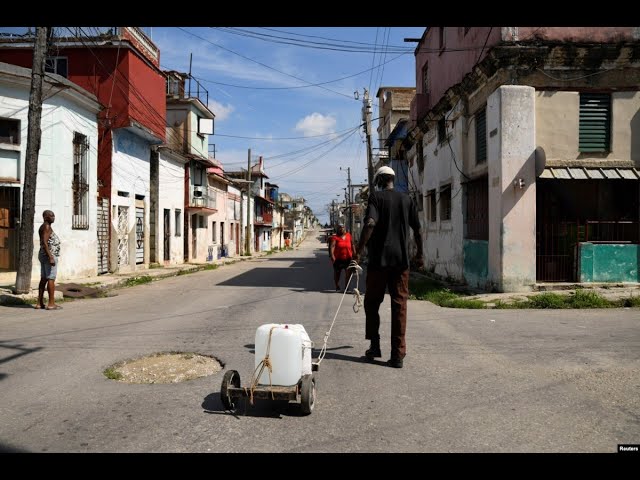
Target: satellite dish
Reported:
[(541, 160)]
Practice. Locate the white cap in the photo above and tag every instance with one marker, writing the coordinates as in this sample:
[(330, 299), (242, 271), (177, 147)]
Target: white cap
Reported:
[(384, 171)]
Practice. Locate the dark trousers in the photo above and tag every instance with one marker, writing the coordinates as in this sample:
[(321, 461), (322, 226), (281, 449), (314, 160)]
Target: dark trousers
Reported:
[(397, 281)]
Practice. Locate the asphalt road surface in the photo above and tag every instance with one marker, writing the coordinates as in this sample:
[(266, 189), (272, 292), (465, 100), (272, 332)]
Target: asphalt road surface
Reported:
[(473, 381)]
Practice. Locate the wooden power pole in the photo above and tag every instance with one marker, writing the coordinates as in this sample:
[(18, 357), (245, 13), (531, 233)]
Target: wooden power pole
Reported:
[(366, 117), (248, 235), (25, 234)]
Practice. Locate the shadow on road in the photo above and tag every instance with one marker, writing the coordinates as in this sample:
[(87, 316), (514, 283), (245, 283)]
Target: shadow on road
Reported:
[(261, 408), (305, 273)]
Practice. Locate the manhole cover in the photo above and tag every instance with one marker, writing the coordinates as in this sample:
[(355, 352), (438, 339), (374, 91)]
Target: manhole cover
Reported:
[(164, 368), (75, 290)]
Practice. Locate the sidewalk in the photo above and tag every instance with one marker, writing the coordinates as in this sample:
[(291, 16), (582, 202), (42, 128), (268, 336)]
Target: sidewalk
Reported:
[(610, 291), (90, 286)]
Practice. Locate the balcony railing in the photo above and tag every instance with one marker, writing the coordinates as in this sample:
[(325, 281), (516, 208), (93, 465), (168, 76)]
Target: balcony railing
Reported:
[(264, 219), (202, 197)]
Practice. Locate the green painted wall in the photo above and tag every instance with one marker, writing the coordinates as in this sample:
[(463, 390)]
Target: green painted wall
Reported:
[(609, 263), (476, 262)]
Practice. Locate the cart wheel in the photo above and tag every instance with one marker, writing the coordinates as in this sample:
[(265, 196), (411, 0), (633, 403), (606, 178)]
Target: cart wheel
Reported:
[(230, 378), (308, 394)]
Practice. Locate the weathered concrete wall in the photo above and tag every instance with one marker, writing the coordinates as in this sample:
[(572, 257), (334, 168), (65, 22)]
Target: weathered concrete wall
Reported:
[(572, 34), (443, 245), (609, 263), (557, 128), (476, 262), (61, 117), (171, 180), (512, 210), (131, 175)]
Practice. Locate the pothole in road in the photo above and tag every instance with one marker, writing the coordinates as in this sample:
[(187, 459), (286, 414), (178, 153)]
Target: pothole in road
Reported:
[(172, 367)]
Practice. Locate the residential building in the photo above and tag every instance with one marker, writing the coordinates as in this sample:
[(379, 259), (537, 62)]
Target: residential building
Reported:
[(530, 138), (277, 224), (67, 178), (393, 125), (189, 124), (121, 67)]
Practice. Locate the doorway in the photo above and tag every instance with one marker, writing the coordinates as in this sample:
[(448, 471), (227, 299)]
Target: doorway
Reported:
[(9, 220)]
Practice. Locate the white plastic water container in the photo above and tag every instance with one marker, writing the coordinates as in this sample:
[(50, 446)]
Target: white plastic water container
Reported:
[(290, 353)]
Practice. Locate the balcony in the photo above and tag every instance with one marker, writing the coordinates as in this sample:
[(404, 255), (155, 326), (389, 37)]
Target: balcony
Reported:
[(265, 219), (419, 107), (202, 199)]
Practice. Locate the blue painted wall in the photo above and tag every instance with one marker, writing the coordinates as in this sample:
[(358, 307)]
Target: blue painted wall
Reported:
[(476, 262), (609, 263)]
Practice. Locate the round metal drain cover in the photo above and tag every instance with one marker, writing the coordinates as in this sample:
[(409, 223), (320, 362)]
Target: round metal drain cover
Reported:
[(173, 367)]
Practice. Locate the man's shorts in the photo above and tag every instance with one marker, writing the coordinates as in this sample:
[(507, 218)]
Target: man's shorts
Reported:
[(47, 270)]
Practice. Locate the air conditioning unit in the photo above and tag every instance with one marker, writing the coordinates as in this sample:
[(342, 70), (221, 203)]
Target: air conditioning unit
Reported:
[(197, 191)]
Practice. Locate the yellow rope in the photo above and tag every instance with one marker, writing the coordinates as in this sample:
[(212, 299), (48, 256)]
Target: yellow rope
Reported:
[(265, 362)]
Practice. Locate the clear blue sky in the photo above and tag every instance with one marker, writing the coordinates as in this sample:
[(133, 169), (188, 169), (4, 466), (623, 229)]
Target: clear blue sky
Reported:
[(293, 112)]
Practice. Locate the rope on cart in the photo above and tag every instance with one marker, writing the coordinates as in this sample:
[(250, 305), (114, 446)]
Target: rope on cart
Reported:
[(264, 363), (356, 270)]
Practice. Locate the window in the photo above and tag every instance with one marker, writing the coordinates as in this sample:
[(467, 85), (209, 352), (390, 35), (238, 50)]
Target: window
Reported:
[(205, 126), (80, 220), (432, 205), (213, 232), (56, 65), (477, 219), (481, 136), (442, 130), (425, 78), (178, 222), (420, 156), (595, 122), (231, 237), (445, 202), (10, 131)]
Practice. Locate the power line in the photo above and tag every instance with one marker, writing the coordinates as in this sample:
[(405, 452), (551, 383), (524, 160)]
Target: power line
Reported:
[(350, 97), (299, 86)]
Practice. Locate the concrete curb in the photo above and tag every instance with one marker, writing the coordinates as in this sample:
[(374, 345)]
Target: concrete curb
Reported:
[(116, 281)]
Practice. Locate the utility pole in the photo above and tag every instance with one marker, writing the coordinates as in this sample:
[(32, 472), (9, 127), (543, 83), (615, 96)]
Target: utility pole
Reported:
[(366, 118), (350, 200), (248, 235), (25, 235)]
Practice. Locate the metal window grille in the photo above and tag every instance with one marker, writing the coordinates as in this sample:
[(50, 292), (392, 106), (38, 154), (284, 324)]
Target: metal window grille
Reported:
[(432, 206), (445, 202), (80, 182), (477, 210), (481, 136)]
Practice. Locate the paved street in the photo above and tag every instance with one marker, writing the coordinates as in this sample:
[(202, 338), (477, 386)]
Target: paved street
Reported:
[(474, 380)]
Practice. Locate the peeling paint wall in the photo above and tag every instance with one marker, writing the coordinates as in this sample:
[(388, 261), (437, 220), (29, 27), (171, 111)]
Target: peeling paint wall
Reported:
[(443, 244), (512, 210), (557, 128), (609, 263), (476, 262), (171, 180)]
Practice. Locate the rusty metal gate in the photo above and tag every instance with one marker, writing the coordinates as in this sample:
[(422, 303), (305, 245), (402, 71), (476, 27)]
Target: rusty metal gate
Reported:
[(103, 235), (9, 218), (556, 250), (123, 235), (139, 235)]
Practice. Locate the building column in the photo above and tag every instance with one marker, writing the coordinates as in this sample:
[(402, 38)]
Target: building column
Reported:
[(511, 144)]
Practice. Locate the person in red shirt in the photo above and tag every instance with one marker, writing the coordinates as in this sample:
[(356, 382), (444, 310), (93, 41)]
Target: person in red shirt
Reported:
[(341, 253)]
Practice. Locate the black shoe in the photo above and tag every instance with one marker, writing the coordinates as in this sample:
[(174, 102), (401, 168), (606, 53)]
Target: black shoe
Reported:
[(395, 362), (373, 352)]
